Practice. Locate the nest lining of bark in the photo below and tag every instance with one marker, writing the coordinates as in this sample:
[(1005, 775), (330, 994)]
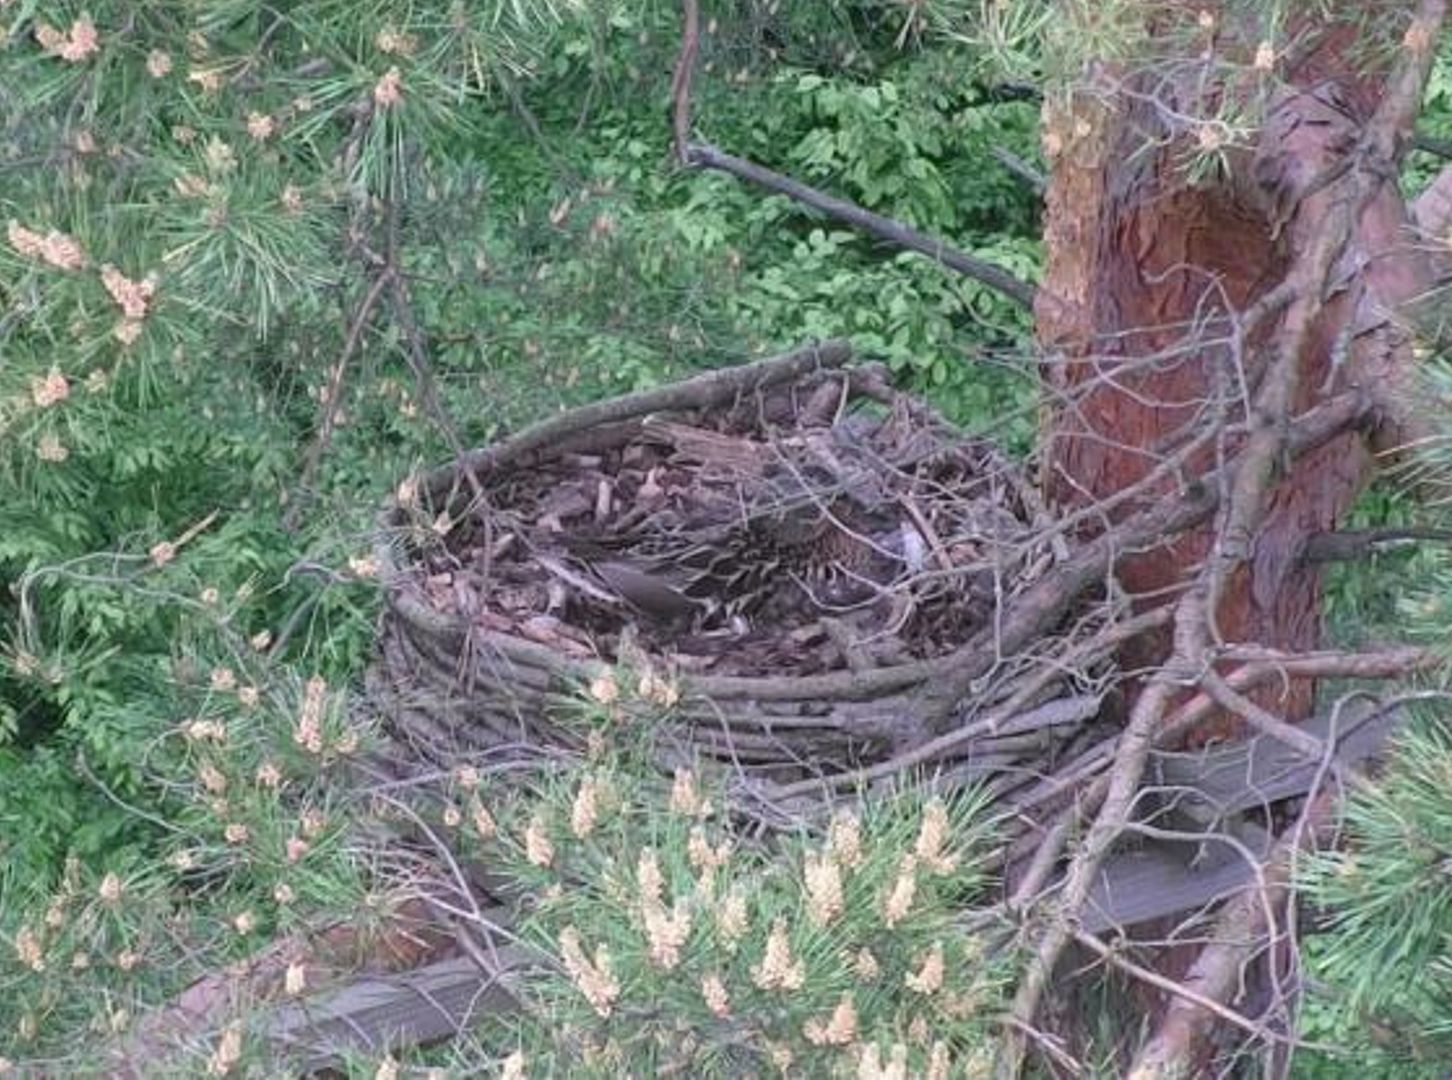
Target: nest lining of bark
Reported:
[(787, 558)]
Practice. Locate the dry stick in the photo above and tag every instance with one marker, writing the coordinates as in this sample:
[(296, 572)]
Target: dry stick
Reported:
[(1432, 210), (1130, 759), (1051, 714), (703, 155), (335, 395), (681, 78)]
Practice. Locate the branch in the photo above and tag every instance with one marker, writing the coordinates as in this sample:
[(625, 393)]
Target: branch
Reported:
[(681, 79), (1021, 169), (894, 232), (334, 391), (1341, 546), (1432, 209)]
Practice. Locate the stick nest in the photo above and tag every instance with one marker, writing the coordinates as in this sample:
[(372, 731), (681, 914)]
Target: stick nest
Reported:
[(784, 557)]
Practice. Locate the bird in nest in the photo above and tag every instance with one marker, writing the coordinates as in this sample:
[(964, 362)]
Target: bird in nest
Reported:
[(735, 572)]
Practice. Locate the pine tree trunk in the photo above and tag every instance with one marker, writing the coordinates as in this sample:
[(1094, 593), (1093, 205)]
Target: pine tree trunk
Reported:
[(1143, 268)]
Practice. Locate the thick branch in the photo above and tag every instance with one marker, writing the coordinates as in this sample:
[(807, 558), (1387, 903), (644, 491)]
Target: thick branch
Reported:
[(894, 232), (681, 79), (1432, 210), (1349, 544)]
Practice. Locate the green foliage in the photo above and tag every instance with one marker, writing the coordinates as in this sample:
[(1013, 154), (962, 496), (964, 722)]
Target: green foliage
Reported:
[(195, 197), (246, 840), (682, 941), (1387, 949)]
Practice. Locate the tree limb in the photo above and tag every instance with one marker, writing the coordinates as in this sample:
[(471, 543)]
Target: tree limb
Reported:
[(681, 79), (1344, 545), (1022, 292)]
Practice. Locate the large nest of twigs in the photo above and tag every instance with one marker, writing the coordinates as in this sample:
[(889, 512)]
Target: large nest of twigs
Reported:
[(792, 559)]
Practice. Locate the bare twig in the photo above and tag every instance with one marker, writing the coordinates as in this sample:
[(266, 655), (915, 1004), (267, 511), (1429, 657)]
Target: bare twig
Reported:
[(334, 392)]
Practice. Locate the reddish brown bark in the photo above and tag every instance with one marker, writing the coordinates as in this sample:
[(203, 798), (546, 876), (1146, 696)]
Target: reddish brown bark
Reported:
[(1141, 262)]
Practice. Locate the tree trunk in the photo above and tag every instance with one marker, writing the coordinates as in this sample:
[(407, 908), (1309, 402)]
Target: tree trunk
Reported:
[(1147, 274)]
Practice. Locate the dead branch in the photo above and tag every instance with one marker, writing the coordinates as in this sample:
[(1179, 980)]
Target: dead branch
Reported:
[(1359, 543), (1036, 181), (681, 78), (334, 395), (705, 156)]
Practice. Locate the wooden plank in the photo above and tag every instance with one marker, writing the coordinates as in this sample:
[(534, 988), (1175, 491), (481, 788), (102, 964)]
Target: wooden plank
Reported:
[(1206, 793), (1164, 878), (1218, 781), (376, 1014)]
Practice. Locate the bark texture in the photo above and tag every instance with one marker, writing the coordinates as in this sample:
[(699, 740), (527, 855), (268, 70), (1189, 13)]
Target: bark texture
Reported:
[(1150, 275)]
